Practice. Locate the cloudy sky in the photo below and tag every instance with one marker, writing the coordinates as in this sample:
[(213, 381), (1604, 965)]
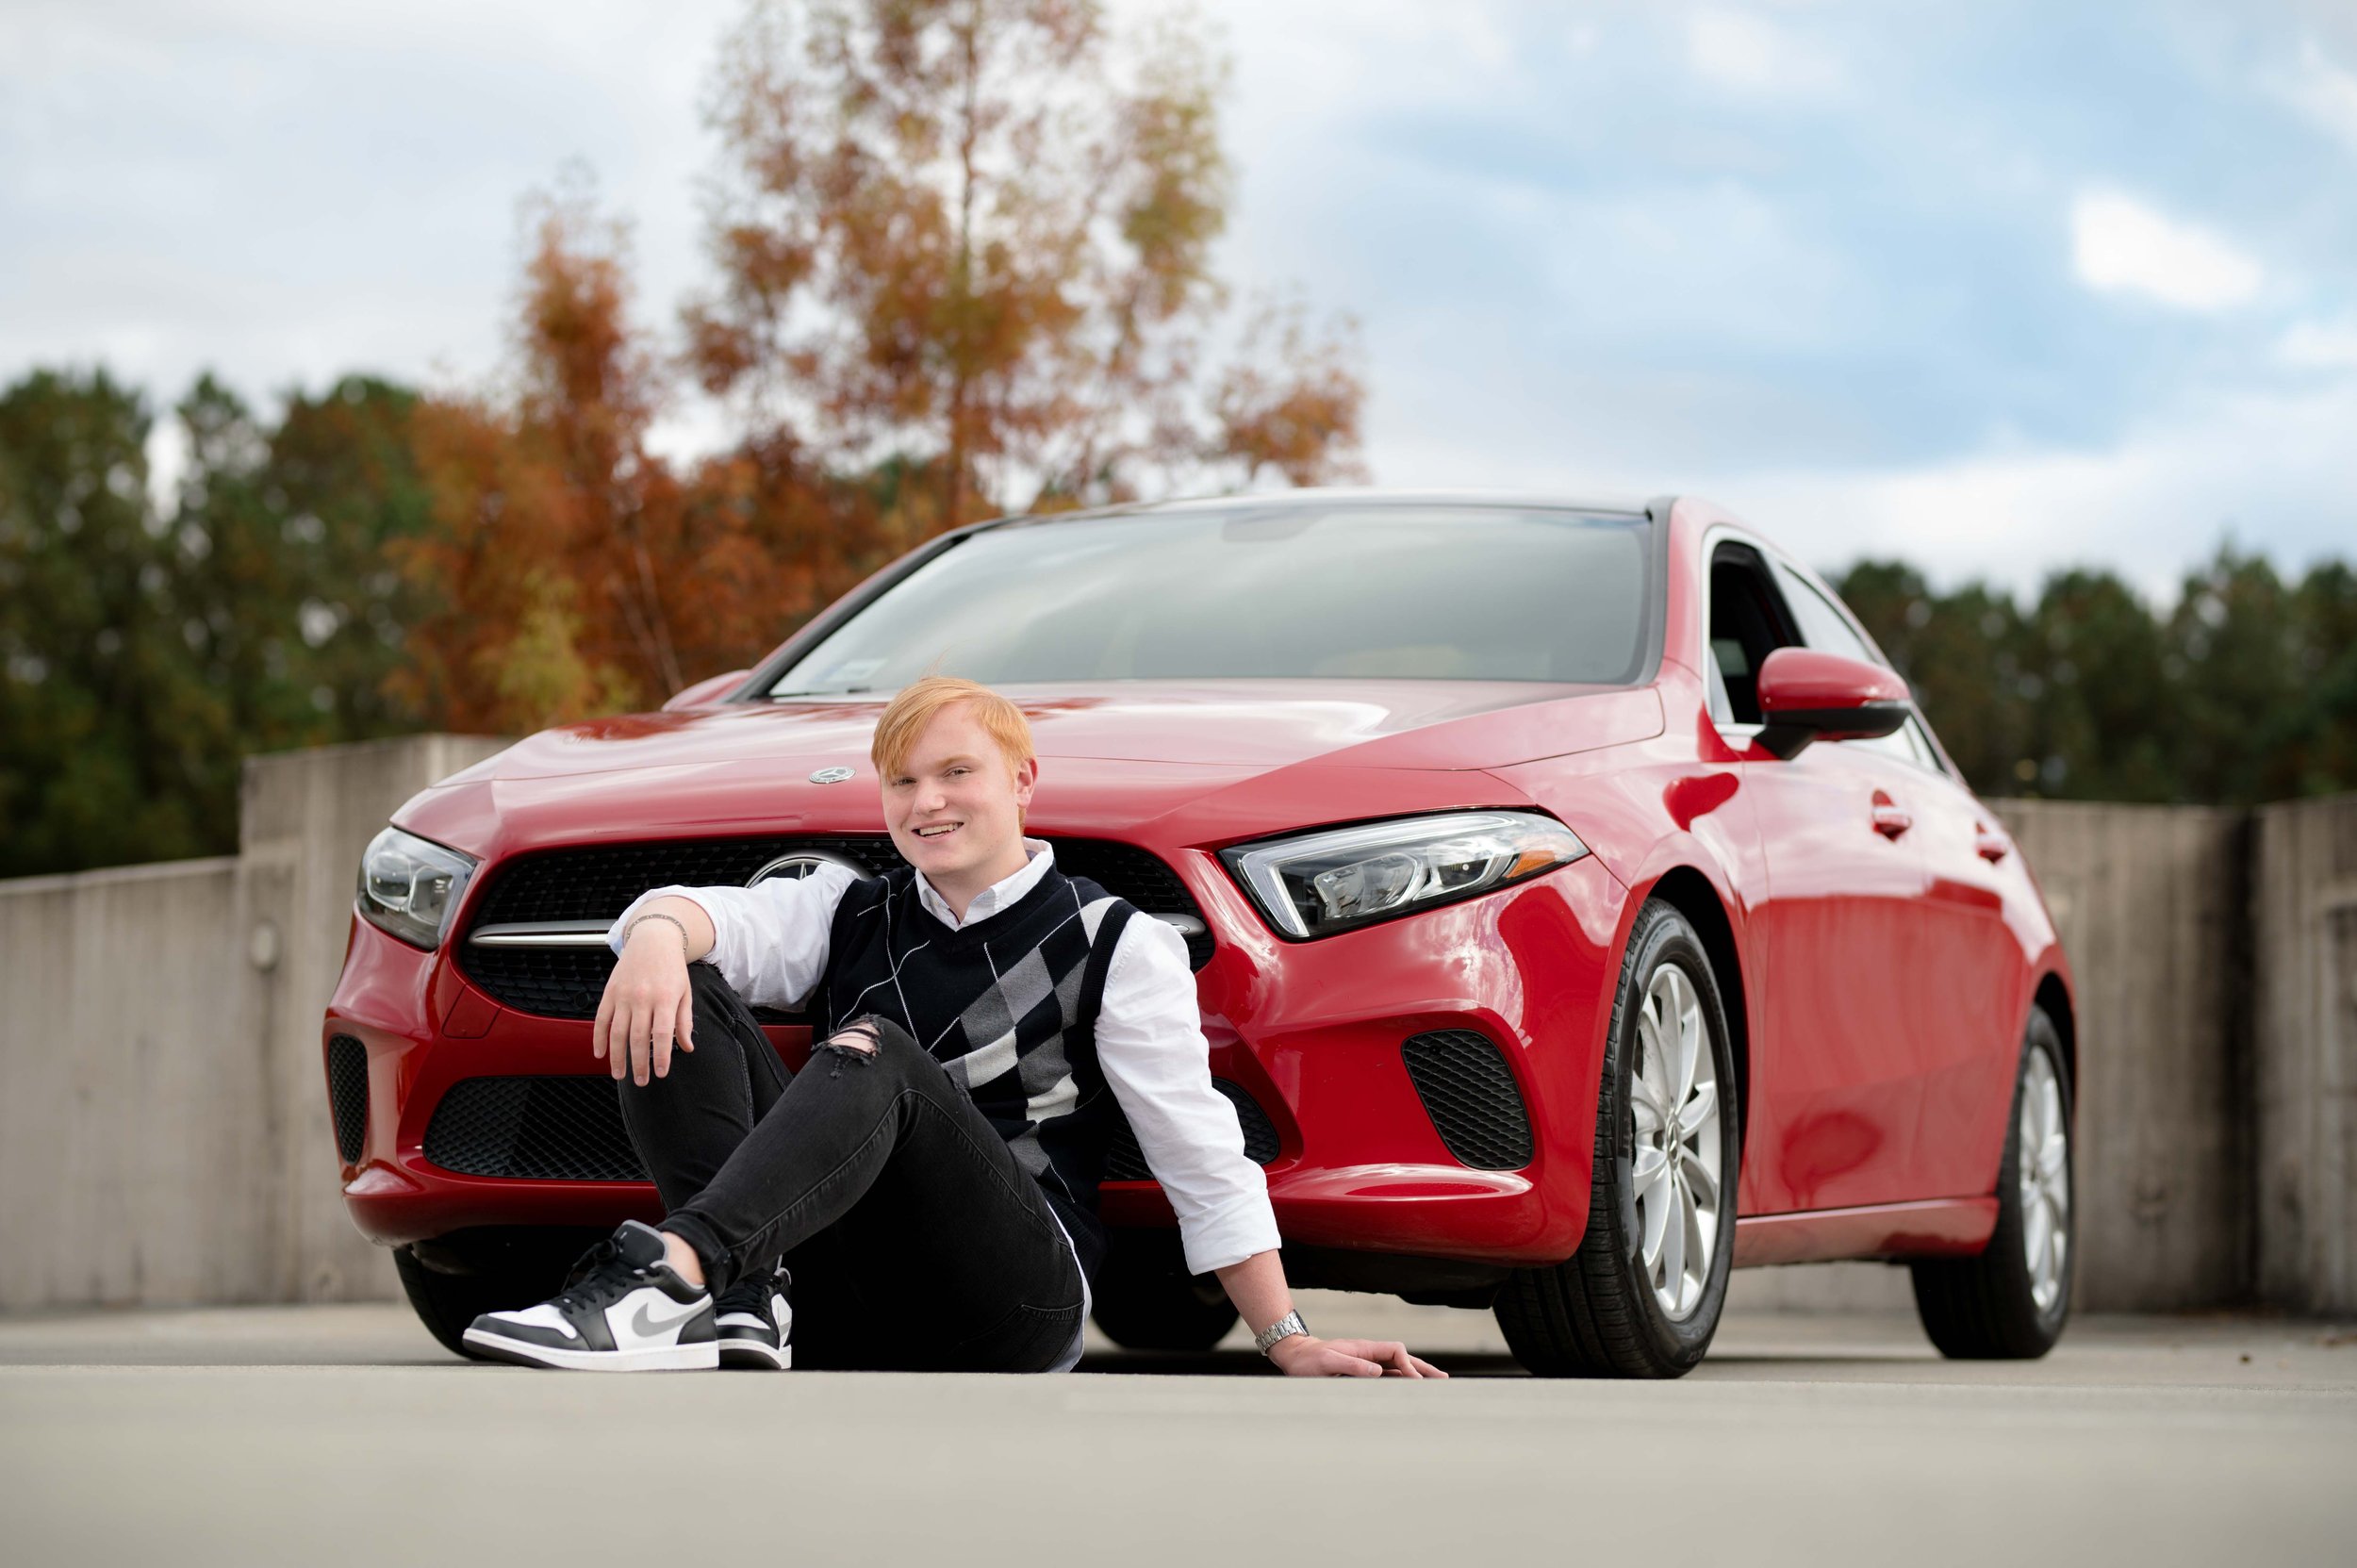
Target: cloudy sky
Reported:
[(1993, 286)]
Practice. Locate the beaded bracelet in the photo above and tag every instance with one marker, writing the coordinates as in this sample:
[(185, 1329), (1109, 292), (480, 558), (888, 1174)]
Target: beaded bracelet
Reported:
[(675, 922)]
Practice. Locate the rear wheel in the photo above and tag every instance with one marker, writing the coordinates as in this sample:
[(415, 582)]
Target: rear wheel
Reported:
[(2010, 1303), (1146, 1300), (1641, 1297), (453, 1280)]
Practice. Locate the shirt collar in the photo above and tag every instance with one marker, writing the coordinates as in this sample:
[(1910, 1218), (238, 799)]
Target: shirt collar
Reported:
[(994, 898)]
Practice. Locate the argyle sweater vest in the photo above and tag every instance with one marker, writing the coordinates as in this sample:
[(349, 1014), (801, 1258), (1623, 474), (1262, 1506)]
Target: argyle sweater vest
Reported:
[(1008, 1006)]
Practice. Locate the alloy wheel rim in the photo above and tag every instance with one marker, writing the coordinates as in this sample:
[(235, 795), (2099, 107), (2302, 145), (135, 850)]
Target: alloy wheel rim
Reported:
[(2042, 1145), (1673, 1109)]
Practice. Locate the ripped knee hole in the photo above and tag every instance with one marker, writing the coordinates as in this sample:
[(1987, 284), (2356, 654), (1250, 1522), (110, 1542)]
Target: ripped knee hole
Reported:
[(854, 1039)]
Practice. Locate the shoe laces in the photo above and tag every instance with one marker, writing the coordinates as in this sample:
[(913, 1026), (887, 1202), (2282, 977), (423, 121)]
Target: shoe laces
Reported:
[(598, 1276)]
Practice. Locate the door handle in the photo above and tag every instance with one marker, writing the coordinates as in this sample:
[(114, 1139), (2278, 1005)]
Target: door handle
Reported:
[(1992, 847), (1890, 820)]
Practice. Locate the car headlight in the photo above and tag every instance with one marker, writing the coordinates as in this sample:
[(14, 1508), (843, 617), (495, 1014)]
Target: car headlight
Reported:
[(410, 887), (1319, 882)]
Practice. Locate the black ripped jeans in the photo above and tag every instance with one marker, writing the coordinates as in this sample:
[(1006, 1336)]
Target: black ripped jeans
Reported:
[(915, 1239)]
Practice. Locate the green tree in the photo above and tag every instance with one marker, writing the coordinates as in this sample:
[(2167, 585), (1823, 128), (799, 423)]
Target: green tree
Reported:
[(147, 652), (343, 480), (2316, 749), (109, 737), (2095, 693)]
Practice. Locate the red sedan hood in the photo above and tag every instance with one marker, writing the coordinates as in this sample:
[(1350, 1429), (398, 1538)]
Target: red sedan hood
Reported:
[(1233, 725), (1113, 756)]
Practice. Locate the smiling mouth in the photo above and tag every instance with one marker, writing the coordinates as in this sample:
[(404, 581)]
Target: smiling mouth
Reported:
[(938, 830)]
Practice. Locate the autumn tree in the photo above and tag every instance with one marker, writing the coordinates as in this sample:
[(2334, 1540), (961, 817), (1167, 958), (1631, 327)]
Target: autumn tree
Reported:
[(578, 573), (974, 237)]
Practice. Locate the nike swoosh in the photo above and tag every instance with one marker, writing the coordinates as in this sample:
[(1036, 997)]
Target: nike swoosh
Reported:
[(645, 1327)]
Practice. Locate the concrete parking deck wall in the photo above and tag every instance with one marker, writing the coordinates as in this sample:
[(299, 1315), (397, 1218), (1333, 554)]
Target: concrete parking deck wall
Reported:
[(164, 1133), (129, 1171), (164, 1130), (2150, 902), (2305, 931)]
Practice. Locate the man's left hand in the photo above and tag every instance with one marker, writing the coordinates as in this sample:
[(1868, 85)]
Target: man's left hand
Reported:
[(1305, 1356)]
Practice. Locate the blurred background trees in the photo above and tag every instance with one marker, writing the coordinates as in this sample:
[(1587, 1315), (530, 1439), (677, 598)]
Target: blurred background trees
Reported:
[(149, 647), (2243, 691)]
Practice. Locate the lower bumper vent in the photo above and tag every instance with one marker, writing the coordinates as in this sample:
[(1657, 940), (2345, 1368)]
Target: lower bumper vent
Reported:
[(542, 1129), (571, 1129), (1126, 1161), (348, 1094), (1469, 1092)]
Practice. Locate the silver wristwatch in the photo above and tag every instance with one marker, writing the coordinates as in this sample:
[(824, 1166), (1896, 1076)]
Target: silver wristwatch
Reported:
[(1283, 1329)]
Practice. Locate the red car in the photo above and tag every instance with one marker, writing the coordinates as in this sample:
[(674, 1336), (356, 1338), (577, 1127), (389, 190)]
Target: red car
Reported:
[(1579, 908)]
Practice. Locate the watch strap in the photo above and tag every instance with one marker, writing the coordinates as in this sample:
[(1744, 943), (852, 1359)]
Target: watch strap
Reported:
[(1283, 1329)]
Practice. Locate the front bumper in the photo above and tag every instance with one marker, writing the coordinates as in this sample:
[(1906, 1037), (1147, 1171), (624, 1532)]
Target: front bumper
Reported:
[(1312, 1030)]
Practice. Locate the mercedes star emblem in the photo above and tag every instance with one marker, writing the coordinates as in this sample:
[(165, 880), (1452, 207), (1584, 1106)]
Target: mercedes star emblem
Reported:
[(799, 863)]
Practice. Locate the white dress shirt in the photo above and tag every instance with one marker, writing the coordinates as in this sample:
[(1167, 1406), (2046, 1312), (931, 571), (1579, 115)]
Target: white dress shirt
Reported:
[(770, 943)]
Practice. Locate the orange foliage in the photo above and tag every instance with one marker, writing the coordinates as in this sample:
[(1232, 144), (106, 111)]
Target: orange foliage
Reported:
[(963, 258), (577, 574), (979, 231)]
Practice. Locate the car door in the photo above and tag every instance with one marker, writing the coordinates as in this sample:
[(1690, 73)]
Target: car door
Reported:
[(1961, 990), (1968, 994), (1837, 1091)]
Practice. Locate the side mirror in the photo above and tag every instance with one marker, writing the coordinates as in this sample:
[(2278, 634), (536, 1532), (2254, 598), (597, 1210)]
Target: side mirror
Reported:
[(1805, 695), (706, 690)]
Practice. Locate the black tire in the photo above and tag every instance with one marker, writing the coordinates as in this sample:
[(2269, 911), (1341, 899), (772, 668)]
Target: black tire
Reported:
[(1985, 1307), (1146, 1300), (1596, 1314), (453, 1280)]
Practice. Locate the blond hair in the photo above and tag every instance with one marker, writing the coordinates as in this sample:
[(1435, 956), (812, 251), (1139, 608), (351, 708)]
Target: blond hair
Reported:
[(905, 717)]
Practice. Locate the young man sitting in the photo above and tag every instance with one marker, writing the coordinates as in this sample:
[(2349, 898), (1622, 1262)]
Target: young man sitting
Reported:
[(928, 1181)]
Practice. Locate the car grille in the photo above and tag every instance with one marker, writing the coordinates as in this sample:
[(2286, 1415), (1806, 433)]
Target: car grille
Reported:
[(1469, 1092), (597, 882), (571, 1129), (545, 1128), (1126, 1161), (348, 1094)]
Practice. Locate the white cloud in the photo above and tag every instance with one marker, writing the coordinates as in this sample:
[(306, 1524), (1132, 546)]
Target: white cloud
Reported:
[(2275, 471), (2120, 245), (2323, 91), (2320, 345), (1739, 50)]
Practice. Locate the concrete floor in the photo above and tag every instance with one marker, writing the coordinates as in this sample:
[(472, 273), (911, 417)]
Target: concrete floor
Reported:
[(343, 1434)]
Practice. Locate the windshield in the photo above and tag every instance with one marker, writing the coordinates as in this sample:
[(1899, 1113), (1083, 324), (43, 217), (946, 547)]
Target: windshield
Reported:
[(1467, 593)]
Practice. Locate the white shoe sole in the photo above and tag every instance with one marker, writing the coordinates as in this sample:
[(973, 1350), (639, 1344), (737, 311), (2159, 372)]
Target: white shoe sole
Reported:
[(700, 1357), (753, 1354)]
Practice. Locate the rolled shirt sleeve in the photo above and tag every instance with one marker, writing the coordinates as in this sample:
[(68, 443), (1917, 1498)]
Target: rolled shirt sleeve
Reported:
[(1150, 1046), (769, 940)]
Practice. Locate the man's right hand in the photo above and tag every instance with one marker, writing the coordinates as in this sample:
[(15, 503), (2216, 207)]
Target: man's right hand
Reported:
[(648, 1004)]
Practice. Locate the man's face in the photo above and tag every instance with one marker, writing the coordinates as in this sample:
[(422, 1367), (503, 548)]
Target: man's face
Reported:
[(955, 806)]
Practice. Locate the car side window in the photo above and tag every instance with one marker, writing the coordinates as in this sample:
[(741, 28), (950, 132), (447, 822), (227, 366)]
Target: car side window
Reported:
[(1747, 623), (1821, 625)]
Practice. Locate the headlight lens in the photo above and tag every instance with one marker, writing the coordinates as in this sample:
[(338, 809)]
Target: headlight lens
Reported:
[(410, 887), (1322, 882)]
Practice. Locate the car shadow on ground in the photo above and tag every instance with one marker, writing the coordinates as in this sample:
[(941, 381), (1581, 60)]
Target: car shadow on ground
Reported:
[(1246, 1364)]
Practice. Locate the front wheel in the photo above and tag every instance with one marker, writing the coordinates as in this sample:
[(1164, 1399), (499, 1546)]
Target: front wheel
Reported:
[(1146, 1300), (2010, 1302), (1641, 1297)]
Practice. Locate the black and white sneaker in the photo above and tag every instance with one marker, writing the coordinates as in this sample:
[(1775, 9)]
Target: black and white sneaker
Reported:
[(623, 1309), (757, 1323)]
